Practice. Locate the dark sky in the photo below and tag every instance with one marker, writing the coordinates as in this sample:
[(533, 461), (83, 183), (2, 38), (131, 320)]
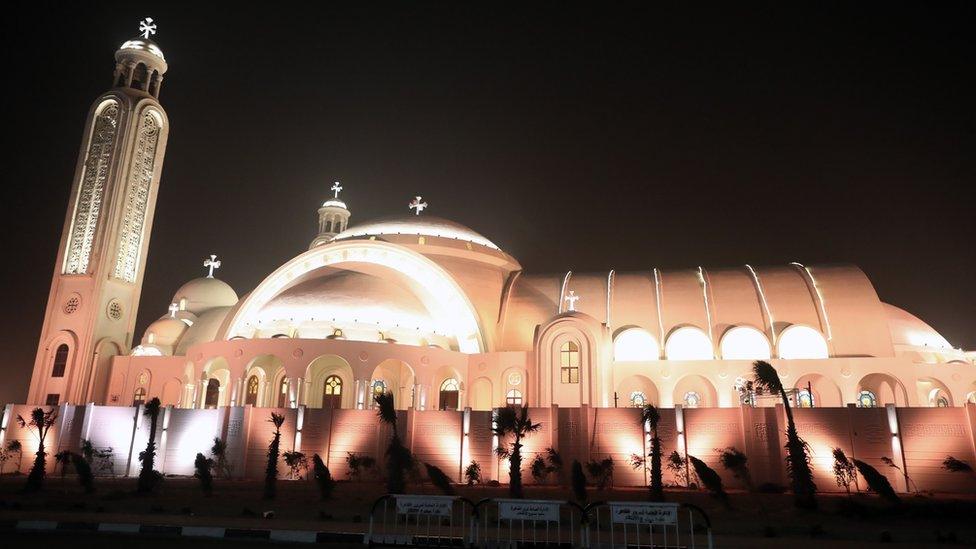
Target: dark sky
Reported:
[(573, 138)]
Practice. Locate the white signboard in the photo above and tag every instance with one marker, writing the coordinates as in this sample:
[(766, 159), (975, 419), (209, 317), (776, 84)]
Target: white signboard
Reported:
[(528, 509), (433, 506), (636, 512)]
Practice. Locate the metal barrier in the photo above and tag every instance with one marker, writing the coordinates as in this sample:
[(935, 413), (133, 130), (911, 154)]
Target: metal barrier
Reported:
[(420, 521), (452, 521), (644, 524), (513, 523)]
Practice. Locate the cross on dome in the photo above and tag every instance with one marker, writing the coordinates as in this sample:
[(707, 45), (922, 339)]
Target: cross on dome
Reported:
[(416, 204), (147, 27), (212, 263), (173, 308), (336, 187), (571, 299)]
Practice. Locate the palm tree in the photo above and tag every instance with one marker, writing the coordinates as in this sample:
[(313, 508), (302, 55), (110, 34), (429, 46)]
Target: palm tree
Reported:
[(274, 450), (797, 460), (42, 422), (513, 420), (398, 457), (148, 477), (651, 417)]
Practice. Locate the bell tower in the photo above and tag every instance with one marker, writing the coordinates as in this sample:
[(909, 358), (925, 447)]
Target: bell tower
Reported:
[(97, 282), (333, 218)]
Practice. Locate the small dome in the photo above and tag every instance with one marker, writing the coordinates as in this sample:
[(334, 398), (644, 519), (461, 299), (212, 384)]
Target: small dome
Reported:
[(423, 225), (164, 333), (141, 45), (334, 203), (908, 329), (202, 294)]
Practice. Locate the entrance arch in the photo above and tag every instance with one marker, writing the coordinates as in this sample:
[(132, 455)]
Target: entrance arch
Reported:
[(264, 369), (885, 389), (695, 391), (637, 390), (825, 392), (337, 393), (397, 377), (428, 280)]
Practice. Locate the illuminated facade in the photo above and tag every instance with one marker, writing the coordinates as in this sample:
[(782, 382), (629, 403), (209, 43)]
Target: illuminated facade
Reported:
[(450, 324)]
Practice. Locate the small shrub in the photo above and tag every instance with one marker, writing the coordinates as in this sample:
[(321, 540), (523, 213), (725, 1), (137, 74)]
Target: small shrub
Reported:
[(358, 465), (601, 472), (323, 478), (891, 463), (85, 476), (711, 479), (297, 464), (203, 466), (877, 482), (219, 453), (539, 469), (736, 462), (955, 465), (845, 472), (439, 479), (677, 465), (472, 473), (555, 460)]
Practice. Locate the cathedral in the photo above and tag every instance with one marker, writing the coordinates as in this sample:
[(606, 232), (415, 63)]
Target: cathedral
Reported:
[(440, 316)]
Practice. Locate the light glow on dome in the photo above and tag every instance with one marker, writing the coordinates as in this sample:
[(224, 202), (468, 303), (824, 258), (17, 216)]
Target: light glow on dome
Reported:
[(430, 282), (635, 344), (800, 342), (688, 343), (420, 226), (745, 343), (146, 350), (144, 46)]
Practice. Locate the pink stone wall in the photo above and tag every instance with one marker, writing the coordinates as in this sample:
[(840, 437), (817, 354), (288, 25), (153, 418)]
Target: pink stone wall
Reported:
[(926, 436)]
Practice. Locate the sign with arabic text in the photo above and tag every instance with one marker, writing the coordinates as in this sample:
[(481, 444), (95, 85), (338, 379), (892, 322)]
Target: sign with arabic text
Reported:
[(637, 512), (528, 509), (432, 506)]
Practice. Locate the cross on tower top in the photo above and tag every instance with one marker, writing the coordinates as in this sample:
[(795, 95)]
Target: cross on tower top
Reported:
[(571, 299), (336, 187), (416, 204), (147, 27), (212, 263), (173, 308)]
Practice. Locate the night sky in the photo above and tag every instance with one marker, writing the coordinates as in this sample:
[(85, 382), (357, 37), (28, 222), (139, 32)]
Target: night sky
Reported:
[(572, 138)]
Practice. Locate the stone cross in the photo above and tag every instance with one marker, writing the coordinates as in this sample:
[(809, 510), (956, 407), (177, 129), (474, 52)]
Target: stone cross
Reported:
[(571, 299), (212, 263), (146, 27), (416, 204), (173, 308), (336, 187)]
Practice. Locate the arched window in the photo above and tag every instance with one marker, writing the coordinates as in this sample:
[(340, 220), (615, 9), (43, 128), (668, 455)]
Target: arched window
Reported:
[(379, 387), (139, 397), (638, 399), (332, 392), (688, 343), (745, 343), (635, 344), (692, 399), (798, 342), (213, 394), (283, 393), (866, 399), (569, 362), (804, 399), (328, 226), (450, 391), (60, 361), (513, 398), (251, 396), (942, 402)]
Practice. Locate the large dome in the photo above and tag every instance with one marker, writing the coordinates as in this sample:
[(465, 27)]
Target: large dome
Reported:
[(421, 225), (202, 294)]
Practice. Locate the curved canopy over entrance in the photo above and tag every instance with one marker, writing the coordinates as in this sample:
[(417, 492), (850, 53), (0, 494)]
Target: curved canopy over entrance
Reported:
[(432, 285)]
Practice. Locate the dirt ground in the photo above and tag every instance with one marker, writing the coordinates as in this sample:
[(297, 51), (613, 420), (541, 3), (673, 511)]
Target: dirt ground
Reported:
[(754, 520)]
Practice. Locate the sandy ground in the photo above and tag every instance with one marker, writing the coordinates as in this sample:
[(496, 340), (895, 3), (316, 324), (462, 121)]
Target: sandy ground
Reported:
[(754, 520)]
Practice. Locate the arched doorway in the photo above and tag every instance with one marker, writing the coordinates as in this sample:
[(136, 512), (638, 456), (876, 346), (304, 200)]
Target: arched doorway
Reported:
[(212, 399), (332, 392), (884, 388), (695, 391), (395, 377), (251, 390), (479, 395), (450, 392), (282, 393), (818, 391), (636, 391)]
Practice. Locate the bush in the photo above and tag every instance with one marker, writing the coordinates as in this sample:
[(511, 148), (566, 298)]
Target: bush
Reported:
[(472, 473), (358, 464), (322, 477), (203, 467), (677, 465), (85, 476), (297, 464), (877, 482), (845, 472), (601, 472), (711, 479), (439, 479)]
